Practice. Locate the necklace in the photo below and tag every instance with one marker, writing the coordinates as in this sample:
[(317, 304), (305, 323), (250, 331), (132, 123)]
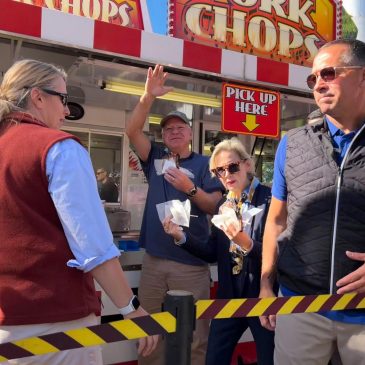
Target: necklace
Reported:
[(238, 203)]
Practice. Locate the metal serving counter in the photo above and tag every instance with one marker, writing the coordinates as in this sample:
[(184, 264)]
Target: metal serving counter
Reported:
[(118, 218), (126, 240), (130, 260)]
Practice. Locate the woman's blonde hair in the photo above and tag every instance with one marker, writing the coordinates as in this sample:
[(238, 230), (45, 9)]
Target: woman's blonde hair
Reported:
[(20, 78), (230, 145)]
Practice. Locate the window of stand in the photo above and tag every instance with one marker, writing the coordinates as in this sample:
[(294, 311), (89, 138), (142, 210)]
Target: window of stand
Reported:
[(105, 153)]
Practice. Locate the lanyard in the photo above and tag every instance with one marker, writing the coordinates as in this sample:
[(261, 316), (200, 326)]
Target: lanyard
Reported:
[(238, 204)]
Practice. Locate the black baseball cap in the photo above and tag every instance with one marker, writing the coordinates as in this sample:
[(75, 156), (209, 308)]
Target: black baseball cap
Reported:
[(175, 114)]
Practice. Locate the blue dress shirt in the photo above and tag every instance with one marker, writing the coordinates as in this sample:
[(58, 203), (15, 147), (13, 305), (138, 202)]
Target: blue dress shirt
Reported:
[(72, 186)]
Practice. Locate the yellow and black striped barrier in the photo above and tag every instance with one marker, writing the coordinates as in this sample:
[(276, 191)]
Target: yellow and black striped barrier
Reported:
[(232, 308), (129, 329), (164, 322)]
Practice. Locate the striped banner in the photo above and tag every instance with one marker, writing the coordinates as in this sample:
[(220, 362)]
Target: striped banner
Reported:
[(129, 329), (164, 322), (53, 27), (232, 308)]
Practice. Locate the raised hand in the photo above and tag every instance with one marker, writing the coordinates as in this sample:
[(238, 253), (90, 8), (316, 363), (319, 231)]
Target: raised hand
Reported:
[(155, 82)]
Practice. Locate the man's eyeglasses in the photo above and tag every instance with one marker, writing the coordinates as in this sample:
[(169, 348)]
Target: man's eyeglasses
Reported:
[(232, 168), (327, 74), (64, 97)]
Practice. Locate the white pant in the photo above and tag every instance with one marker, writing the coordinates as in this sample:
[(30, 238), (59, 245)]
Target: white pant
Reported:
[(81, 356), (312, 339)]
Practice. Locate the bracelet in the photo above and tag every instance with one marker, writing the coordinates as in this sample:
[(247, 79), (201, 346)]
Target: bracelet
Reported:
[(246, 251)]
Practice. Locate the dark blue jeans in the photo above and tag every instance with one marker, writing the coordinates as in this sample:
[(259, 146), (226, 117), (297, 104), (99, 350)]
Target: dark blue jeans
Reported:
[(225, 333)]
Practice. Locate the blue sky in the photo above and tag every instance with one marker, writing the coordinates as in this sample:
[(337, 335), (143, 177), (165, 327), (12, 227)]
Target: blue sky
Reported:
[(158, 15)]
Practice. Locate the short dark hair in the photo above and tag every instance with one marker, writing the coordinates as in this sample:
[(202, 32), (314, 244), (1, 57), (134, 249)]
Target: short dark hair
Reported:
[(356, 54)]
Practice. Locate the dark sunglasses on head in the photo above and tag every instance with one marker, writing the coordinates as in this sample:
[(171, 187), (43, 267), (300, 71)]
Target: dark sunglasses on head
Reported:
[(232, 168), (327, 74), (63, 97)]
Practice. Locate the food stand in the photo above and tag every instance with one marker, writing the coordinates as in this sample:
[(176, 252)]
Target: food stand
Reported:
[(106, 47)]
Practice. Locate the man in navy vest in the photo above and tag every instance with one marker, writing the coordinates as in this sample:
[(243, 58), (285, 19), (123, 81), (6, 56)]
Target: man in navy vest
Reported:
[(315, 230)]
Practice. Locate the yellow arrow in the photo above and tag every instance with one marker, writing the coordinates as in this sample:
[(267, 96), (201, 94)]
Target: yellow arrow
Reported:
[(250, 122)]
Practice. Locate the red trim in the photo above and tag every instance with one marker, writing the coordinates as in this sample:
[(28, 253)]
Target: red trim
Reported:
[(213, 290), (117, 39), (272, 71), (139, 14), (20, 18), (339, 23), (135, 362), (247, 352), (202, 57)]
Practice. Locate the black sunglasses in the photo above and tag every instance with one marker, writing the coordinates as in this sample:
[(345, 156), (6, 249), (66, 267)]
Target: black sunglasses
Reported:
[(232, 168), (64, 97), (327, 74)]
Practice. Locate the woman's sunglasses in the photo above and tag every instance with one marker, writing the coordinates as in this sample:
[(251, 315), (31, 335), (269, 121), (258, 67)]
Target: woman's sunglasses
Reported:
[(63, 97), (232, 168), (327, 74)]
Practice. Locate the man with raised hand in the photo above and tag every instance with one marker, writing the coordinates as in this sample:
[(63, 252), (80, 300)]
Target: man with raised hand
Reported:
[(166, 266)]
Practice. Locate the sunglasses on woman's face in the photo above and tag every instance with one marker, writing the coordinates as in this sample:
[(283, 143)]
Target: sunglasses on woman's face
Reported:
[(232, 168), (328, 74), (63, 96)]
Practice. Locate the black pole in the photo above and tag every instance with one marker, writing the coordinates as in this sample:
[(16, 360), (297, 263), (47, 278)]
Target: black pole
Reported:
[(180, 304)]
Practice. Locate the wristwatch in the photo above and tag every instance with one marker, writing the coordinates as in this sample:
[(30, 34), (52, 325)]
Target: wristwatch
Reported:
[(190, 193), (131, 307)]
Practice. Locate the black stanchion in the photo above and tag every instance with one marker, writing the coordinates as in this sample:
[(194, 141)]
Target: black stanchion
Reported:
[(180, 304)]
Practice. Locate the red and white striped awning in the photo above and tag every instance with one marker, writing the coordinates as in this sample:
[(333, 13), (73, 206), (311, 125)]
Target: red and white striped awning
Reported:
[(56, 27)]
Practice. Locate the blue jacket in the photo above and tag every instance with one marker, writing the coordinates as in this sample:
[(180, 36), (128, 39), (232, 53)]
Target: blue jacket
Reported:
[(216, 249)]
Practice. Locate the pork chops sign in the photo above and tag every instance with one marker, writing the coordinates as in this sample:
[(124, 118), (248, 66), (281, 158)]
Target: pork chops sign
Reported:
[(248, 110), (284, 30), (126, 13)]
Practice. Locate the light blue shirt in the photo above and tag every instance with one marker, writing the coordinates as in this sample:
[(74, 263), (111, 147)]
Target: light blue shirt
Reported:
[(72, 186)]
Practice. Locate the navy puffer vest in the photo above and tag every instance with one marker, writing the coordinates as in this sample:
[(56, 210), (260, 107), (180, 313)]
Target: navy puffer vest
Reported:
[(326, 210)]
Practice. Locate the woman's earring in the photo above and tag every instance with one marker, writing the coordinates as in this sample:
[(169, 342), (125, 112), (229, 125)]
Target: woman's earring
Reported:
[(250, 176)]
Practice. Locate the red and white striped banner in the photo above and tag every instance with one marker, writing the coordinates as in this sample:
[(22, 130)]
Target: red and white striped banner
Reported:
[(56, 27)]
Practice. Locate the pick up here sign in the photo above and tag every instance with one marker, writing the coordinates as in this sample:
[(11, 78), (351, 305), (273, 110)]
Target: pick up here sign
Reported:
[(248, 110)]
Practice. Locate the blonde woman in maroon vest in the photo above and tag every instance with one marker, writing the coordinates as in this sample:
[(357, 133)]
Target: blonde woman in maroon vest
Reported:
[(54, 236)]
